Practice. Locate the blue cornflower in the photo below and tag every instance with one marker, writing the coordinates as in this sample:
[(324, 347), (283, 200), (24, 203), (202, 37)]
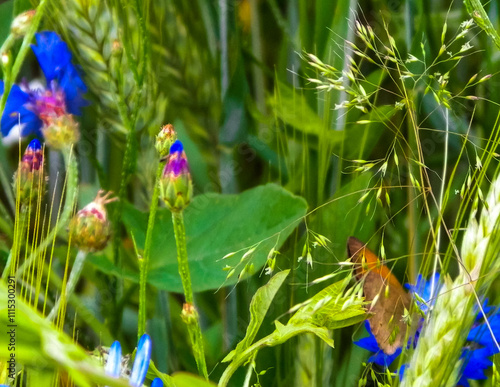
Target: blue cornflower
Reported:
[(480, 342), (63, 95), (141, 361)]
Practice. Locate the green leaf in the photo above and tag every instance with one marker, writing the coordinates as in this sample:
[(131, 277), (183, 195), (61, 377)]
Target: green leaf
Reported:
[(39, 344), (215, 226), (330, 308), (285, 332), (258, 308)]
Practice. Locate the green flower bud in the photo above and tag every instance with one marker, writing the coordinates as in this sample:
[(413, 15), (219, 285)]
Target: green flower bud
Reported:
[(90, 228), (176, 186), (165, 139), (22, 23), (189, 314), (61, 131), (29, 180)]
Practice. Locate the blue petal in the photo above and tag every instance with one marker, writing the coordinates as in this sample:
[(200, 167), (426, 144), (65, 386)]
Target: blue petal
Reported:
[(423, 289), (485, 310), (141, 362), (176, 147), (475, 363), (157, 383), (481, 334), (74, 88), (34, 145), (370, 343), (383, 359), (54, 58), (15, 112), (52, 54), (114, 360)]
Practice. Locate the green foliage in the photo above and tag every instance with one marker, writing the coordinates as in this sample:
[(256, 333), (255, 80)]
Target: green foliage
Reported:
[(216, 225), (42, 346), (258, 308), (304, 122), (329, 309)]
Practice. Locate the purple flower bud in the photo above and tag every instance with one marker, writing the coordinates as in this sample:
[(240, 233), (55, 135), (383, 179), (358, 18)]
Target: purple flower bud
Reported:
[(176, 186), (141, 362), (29, 181)]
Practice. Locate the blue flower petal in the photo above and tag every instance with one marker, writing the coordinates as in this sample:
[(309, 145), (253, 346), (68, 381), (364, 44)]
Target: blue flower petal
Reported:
[(114, 360), (74, 88), (15, 112), (141, 362), (52, 54), (34, 145), (370, 343), (54, 58), (475, 363), (486, 310), (176, 147), (157, 383), (481, 334), (423, 289)]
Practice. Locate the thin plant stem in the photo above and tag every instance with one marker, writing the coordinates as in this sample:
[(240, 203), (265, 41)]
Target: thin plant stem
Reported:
[(141, 328), (440, 203), (71, 188), (193, 323), (74, 276)]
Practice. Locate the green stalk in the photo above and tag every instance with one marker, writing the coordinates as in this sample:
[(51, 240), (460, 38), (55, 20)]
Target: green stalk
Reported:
[(69, 204), (193, 322), (141, 328), (74, 276)]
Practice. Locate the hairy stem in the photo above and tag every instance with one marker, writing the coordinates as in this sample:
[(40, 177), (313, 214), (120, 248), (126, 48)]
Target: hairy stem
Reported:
[(193, 323)]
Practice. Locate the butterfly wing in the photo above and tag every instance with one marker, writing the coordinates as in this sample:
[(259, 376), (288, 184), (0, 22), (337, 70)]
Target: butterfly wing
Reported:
[(391, 299)]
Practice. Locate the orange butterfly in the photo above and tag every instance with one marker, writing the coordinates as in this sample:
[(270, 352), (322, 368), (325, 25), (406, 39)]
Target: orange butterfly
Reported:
[(391, 300)]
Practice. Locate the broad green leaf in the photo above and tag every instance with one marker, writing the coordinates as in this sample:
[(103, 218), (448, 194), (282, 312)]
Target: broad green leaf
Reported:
[(38, 344), (258, 308), (330, 308), (216, 225)]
